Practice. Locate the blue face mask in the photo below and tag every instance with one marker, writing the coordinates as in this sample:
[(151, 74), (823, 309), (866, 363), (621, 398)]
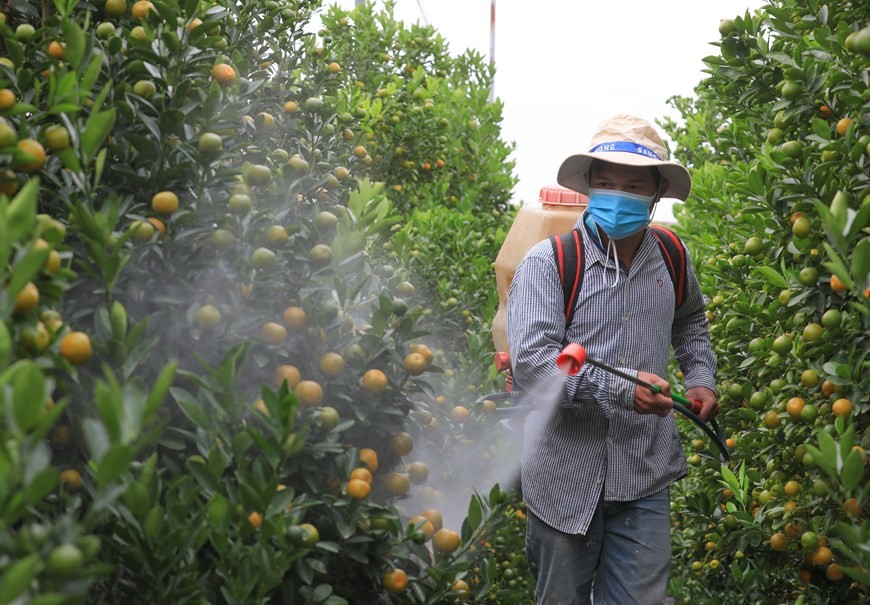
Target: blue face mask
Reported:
[(620, 214)]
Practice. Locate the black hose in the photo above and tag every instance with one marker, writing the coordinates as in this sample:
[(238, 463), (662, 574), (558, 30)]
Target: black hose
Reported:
[(715, 433), (712, 429)]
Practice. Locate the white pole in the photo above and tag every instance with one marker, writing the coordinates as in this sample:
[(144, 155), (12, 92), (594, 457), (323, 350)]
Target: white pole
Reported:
[(492, 46)]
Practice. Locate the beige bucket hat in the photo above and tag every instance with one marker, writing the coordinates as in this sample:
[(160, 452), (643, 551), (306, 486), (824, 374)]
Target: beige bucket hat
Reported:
[(630, 141)]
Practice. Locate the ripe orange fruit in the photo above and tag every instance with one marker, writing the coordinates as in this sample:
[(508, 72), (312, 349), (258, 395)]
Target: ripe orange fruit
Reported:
[(779, 541), (771, 419), (837, 284), (794, 407), (56, 50), (425, 525), (288, 373), (165, 202), (358, 489), (308, 392), (828, 388), (843, 125), (291, 107), (362, 474), (822, 556), (402, 444), (423, 350), (75, 347), (461, 589), (374, 381), (71, 479), (360, 151), (825, 111), (193, 24), (834, 572), (369, 457), (7, 99), (730, 442), (274, 333), (141, 8), (459, 414), (331, 364), (852, 508), (159, 225), (395, 581), (446, 540), (414, 364), (294, 317), (36, 153), (434, 517), (842, 407), (792, 488), (255, 518), (27, 299), (223, 74)]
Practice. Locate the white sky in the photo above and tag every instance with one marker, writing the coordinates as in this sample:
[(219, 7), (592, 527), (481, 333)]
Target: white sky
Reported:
[(563, 66)]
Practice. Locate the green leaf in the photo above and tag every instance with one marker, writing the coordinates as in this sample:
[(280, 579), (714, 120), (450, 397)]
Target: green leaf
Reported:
[(5, 345), (853, 470), (114, 464), (861, 260), (21, 212), (28, 394), (18, 577), (159, 390), (108, 401), (69, 159), (98, 128), (821, 128), (772, 276), (475, 513), (74, 38)]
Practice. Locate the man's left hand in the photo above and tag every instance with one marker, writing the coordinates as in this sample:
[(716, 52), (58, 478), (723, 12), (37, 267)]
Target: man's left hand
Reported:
[(709, 403)]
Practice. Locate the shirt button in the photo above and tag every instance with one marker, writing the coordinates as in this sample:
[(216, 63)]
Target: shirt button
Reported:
[(598, 482)]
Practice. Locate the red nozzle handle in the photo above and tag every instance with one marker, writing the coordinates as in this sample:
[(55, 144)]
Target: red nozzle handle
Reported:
[(572, 358)]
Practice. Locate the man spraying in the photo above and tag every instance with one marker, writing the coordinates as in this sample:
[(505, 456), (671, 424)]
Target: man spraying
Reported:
[(597, 465)]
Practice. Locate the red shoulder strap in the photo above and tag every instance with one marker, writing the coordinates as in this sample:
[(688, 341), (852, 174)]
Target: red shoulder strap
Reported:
[(675, 260), (568, 251)]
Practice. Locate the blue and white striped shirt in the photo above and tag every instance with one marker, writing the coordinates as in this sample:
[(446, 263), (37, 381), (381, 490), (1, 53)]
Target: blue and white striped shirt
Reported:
[(584, 434)]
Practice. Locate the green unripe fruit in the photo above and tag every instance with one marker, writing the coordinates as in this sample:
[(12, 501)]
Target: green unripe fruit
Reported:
[(210, 142), (105, 30), (791, 89), (24, 32), (726, 27)]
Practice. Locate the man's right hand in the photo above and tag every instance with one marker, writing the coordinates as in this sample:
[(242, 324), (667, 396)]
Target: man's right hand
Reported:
[(647, 402)]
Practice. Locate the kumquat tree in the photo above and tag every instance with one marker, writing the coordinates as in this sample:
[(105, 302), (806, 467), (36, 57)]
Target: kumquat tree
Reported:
[(246, 290)]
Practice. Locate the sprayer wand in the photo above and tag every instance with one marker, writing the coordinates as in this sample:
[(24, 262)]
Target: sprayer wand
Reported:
[(573, 356)]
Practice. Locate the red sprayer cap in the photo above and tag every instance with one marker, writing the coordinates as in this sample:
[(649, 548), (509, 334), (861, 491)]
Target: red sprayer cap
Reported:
[(502, 361), (560, 196), (571, 359)]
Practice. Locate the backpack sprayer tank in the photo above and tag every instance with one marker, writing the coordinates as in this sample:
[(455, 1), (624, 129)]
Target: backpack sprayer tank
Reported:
[(557, 213)]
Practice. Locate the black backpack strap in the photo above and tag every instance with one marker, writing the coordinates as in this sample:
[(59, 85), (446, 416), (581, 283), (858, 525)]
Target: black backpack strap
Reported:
[(568, 252), (675, 260)]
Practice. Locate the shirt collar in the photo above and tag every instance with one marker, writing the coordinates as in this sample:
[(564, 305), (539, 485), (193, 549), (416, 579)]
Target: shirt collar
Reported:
[(596, 252)]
